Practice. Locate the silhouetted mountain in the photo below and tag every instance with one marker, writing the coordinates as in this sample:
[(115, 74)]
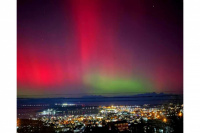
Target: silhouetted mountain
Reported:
[(139, 99)]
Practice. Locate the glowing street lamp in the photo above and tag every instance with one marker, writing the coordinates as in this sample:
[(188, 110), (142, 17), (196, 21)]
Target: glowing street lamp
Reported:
[(180, 114)]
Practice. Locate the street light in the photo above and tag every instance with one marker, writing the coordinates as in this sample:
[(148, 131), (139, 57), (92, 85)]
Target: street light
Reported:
[(180, 114)]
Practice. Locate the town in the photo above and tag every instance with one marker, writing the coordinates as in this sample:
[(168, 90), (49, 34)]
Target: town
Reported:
[(64, 117)]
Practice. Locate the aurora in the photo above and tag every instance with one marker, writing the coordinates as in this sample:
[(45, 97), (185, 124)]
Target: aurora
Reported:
[(99, 46)]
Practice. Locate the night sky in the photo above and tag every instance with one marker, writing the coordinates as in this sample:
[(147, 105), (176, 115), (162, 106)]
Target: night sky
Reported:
[(99, 47)]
